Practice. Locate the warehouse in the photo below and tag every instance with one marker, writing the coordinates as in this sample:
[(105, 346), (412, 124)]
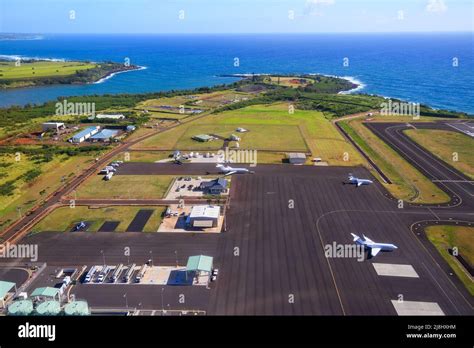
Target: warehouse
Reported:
[(56, 126), (85, 134), (104, 135), (110, 116), (203, 216)]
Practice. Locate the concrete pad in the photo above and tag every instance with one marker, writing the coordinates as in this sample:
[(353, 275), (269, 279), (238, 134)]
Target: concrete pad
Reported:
[(393, 270), (417, 308)]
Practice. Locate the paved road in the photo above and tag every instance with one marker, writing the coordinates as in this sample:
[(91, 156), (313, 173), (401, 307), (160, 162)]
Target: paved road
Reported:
[(20, 227), (272, 258)]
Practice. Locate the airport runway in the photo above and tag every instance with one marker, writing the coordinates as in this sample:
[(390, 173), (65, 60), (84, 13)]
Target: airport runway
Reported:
[(280, 220), (282, 250)]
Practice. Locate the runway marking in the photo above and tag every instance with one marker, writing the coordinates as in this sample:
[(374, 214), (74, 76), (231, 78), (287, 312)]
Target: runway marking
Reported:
[(432, 212), (394, 270), (466, 181), (417, 308), (471, 134), (429, 155)]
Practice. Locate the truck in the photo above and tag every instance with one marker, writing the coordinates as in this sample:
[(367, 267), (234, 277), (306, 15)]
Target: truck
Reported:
[(90, 274)]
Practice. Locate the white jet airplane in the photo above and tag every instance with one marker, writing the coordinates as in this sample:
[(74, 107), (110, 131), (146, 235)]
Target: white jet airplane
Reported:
[(228, 170), (374, 247), (356, 181)]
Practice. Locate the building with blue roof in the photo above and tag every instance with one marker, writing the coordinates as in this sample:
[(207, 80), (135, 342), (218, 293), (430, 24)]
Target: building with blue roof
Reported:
[(85, 134), (105, 135)]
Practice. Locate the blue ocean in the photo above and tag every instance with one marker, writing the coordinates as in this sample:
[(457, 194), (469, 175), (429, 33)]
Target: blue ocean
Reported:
[(434, 69)]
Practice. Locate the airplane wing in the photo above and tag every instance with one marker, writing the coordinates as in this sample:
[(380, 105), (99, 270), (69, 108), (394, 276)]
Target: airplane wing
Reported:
[(374, 251), (367, 239), (359, 183), (230, 173)]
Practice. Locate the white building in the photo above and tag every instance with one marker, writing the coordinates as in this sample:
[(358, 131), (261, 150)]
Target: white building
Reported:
[(56, 126), (203, 216), (109, 116)]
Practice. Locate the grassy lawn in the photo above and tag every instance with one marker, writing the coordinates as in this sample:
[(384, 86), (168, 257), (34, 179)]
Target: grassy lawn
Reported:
[(125, 187), (444, 237), (8, 70), (64, 218), (26, 195), (407, 182), (444, 143), (258, 137), (269, 125), (142, 156)]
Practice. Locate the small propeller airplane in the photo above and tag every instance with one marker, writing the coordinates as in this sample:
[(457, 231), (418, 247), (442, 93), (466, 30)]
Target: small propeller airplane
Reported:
[(374, 247), (228, 170), (359, 182)]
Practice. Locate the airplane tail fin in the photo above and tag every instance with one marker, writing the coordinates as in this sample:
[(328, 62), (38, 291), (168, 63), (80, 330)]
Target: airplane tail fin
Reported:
[(355, 236)]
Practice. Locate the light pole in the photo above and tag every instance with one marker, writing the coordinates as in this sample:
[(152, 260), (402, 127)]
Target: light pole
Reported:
[(103, 256), (151, 257), (176, 253), (126, 301)]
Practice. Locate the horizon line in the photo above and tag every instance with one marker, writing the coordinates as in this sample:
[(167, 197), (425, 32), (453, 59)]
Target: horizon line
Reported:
[(244, 33)]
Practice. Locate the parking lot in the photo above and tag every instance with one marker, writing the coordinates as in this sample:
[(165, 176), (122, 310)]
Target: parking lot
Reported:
[(188, 186), (143, 274)]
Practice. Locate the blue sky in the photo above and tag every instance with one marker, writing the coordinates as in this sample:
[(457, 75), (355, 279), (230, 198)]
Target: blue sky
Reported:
[(234, 16)]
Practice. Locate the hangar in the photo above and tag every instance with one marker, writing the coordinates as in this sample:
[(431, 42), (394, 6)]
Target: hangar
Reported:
[(203, 216)]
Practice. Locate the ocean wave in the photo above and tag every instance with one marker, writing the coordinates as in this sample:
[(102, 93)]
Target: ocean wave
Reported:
[(102, 80), (359, 83), (14, 57)]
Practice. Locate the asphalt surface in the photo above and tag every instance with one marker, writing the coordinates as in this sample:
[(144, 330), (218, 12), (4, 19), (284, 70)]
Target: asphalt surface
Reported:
[(140, 220), (271, 258)]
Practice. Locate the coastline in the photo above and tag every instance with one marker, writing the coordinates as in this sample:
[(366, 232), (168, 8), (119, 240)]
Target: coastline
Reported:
[(112, 74), (359, 84)]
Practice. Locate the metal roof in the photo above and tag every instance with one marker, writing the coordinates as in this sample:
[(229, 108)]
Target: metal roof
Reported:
[(45, 292), (105, 134), (206, 211), (5, 287), (22, 307), (296, 155), (199, 263), (84, 132)]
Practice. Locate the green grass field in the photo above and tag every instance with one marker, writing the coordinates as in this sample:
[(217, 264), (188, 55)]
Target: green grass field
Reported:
[(444, 144), (407, 182), (8, 70), (26, 195), (444, 237), (64, 218), (124, 187), (271, 127)]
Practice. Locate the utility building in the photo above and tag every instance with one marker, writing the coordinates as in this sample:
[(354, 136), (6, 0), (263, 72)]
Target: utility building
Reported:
[(296, 158)]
